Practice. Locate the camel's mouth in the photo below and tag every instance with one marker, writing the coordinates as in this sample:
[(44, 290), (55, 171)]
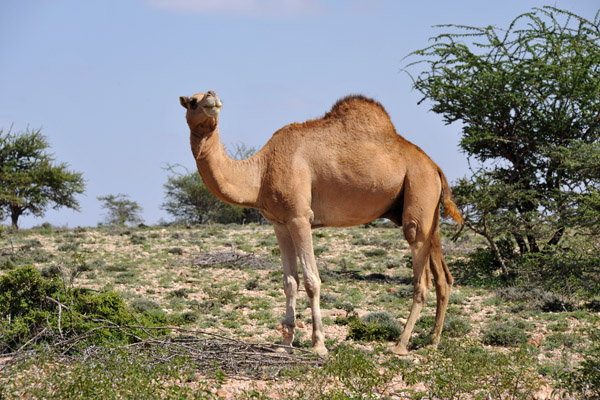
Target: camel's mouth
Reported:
[(213, 110)]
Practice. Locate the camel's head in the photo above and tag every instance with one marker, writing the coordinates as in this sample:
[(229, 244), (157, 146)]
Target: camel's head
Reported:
[(202, 107)]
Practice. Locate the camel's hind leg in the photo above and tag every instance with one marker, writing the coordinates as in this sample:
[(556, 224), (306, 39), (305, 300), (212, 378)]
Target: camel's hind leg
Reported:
[(420, 223), (421, 286), (443, 284), (290, 281)]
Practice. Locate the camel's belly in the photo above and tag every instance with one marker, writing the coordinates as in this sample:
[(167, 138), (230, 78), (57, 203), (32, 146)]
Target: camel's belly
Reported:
[(344, 207)]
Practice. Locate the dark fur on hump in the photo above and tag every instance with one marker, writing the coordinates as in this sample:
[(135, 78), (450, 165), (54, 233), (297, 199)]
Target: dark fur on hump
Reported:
[(345, 103)]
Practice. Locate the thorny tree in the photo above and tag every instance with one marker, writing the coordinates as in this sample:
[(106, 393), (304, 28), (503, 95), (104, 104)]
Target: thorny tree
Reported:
[(30, 180), (528, 98), (121, 210)]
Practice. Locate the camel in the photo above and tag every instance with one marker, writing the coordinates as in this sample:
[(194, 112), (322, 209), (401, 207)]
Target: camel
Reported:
[(348, 168)]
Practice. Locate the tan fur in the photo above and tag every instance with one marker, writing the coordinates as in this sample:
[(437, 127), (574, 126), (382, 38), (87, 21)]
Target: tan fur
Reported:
[(347, 168)]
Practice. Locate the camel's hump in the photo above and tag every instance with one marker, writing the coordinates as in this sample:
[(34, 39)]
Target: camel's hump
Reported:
[(356, 104), (351, 102)]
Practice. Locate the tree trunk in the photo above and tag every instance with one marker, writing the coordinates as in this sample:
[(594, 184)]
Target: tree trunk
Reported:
[(521, 242), (492, 245), (15, 218), (533, 246), (15, 213), (556, 237)]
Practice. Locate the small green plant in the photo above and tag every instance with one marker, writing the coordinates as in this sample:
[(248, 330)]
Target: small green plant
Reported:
[(179, 293), (375, 253), (175, 250), (137, 239), (253, 284), (379, 326), (559, 339), (318, 250), (456, 327), (504, 333)]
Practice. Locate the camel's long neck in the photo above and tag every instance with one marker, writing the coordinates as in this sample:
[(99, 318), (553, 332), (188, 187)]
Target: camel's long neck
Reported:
[(235, 182)]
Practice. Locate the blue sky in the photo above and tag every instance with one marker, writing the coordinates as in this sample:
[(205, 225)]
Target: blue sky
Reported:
[(102, 78)]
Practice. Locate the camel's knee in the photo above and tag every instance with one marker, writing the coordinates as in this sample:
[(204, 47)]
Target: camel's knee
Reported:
[(441, 274), (312, 284), (449, 278), (442, 293), (290, 286), (410, 232), (420, 292)]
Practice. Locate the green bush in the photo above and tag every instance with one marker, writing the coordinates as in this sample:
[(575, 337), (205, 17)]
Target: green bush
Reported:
[(379, 326), (29, 309), (480, 268), (456, 327), (535, 298), (175, 250), (504, 333), (24, 306)]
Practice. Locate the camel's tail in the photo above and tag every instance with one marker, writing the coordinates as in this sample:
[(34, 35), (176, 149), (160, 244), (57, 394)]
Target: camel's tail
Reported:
[(450, 208)]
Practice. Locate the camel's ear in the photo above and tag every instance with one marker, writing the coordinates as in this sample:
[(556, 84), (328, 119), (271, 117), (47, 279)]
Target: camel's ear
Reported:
[(185, 101)]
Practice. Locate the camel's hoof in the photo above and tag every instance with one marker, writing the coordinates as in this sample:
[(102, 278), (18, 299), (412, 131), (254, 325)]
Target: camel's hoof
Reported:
[(319, 349), (400, 350)]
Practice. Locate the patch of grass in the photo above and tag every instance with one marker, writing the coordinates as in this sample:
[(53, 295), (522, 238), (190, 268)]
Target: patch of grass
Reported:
[(535, 299), (145, 305), (253, 284), (121, 374), (262, 316), (184, 318), (375, 253), (561, 326), (348, 373), (504, 333), (465, 370), (177, 304), (222, 296), (179, 293), (328, 300), (126, 277), (558, 340), (320, 250), (137, 239), (68, 247), (116, 268)]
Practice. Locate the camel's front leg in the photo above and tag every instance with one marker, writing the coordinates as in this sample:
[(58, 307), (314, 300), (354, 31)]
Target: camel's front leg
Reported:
[(301, 233), (290, 281)]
